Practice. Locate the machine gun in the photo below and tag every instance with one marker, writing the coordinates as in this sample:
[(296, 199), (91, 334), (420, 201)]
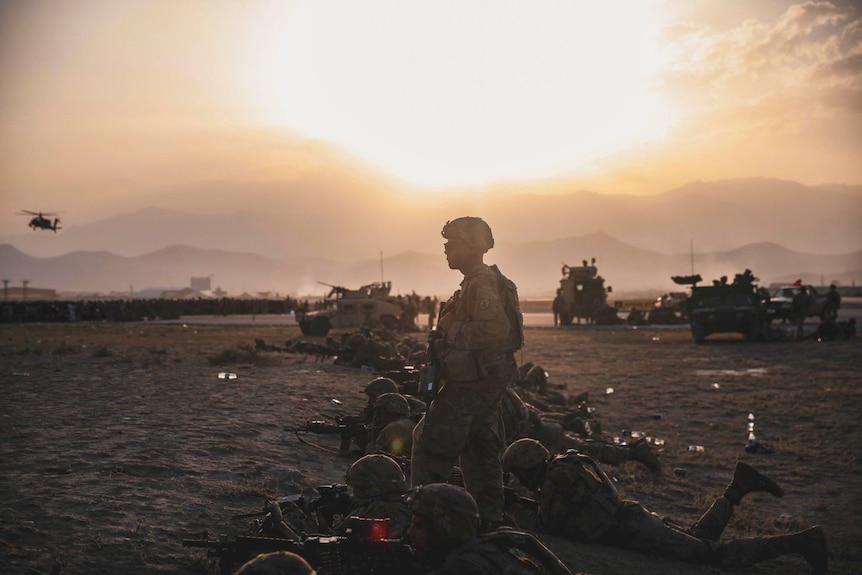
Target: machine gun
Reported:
[(329, 504), (349, 427), (335, 291), (364, 549)]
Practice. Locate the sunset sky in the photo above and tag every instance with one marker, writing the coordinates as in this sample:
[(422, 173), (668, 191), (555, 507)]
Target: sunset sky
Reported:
[(105, 104)]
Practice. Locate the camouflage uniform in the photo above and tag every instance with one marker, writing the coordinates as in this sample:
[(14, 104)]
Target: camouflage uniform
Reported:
[(396, 438), (379, 487), (454, 516), (373, 389), (520, 421), (578, 501), (478, 363)]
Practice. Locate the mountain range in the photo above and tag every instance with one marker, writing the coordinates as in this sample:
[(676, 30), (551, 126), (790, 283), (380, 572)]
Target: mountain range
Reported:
[(535, 267), (780, 230)]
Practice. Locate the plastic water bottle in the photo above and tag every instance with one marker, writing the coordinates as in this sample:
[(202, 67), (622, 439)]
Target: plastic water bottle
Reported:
[(696, 448), (751, 437), (226, 375)]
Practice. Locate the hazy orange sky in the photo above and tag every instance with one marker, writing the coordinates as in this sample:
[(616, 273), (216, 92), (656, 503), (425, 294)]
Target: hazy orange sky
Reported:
[(107, 103)]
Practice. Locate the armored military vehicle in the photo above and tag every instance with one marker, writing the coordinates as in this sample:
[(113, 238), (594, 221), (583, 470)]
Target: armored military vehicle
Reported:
[(670, 308), (723, 307), (584, 296), (369, 306)]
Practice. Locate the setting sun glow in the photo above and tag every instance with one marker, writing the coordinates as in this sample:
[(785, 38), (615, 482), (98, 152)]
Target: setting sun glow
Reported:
[(462, 93)]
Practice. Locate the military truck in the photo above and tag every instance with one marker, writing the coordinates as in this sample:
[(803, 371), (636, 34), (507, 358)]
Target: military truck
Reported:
[(584, 296), (722, 307), (369, 306)]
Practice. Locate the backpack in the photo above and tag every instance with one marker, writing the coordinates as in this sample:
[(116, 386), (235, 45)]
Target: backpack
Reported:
[(509, 296)]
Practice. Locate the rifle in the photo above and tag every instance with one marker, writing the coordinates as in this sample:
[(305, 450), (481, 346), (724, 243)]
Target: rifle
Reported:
[(348, 427), (318, 512), (365, 549)]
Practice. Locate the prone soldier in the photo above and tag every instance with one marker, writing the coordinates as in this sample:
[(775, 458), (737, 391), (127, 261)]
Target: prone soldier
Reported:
[(445, 534), (577, 500)]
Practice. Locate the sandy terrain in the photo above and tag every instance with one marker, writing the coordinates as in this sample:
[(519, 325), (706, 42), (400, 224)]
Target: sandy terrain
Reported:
[(119, 440)]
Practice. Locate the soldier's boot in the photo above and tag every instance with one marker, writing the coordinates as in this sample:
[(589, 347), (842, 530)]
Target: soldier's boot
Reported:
[(746, 480), (641, 452), (811, 544)]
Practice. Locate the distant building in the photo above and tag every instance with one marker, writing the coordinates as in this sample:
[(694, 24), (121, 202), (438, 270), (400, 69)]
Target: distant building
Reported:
[(29, 294), (202, 284)]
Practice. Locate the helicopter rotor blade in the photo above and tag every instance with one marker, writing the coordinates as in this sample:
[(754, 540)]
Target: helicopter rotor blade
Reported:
[(43, 214)]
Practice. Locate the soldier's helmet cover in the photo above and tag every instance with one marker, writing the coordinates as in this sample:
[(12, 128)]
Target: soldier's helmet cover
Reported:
[(450, 509), (473, 231), (393, 403), (276, 563), (537, 378), (374, 475), (356, 341), (380, 385), (524, 454)]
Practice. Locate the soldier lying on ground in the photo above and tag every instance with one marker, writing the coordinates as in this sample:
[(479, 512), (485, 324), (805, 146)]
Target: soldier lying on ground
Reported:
[(373, 389), (379, 489), (577, 500), (392, 426), (522, 421), (445, 534)]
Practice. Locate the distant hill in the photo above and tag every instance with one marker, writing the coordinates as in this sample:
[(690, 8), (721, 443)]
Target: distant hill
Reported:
[(293, 220), (534, 266)]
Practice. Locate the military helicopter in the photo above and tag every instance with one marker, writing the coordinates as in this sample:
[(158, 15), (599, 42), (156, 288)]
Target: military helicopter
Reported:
[(40, 221)]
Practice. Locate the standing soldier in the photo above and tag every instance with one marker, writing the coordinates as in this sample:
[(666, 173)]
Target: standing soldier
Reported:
[(480, 327), (799, 308), (833, 302)]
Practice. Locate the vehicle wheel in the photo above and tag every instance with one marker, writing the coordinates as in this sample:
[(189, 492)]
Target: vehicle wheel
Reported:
[(305, 327), (320, 326), (565, 318), (755, 330), (388, 322), (697, 331)]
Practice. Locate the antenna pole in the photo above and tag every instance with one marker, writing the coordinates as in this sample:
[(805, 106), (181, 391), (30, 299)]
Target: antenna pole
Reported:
[(691, 250), (381, 266)]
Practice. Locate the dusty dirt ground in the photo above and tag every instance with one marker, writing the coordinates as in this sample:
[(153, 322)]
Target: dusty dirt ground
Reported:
[(118, 440)]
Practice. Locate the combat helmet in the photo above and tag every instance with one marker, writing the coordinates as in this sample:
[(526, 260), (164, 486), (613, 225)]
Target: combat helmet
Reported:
[(374, 475), (380, 385), (450, 509), (393, 403), (536, 378), (356, 341), (277, 563), (524, 454), (471, 230)]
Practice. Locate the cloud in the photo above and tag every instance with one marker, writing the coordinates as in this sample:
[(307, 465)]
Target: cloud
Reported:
[(808, 48)]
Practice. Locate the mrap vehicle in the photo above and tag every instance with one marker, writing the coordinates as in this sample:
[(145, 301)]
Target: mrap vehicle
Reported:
[(723, 307), (584, 295), (369, 306)]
